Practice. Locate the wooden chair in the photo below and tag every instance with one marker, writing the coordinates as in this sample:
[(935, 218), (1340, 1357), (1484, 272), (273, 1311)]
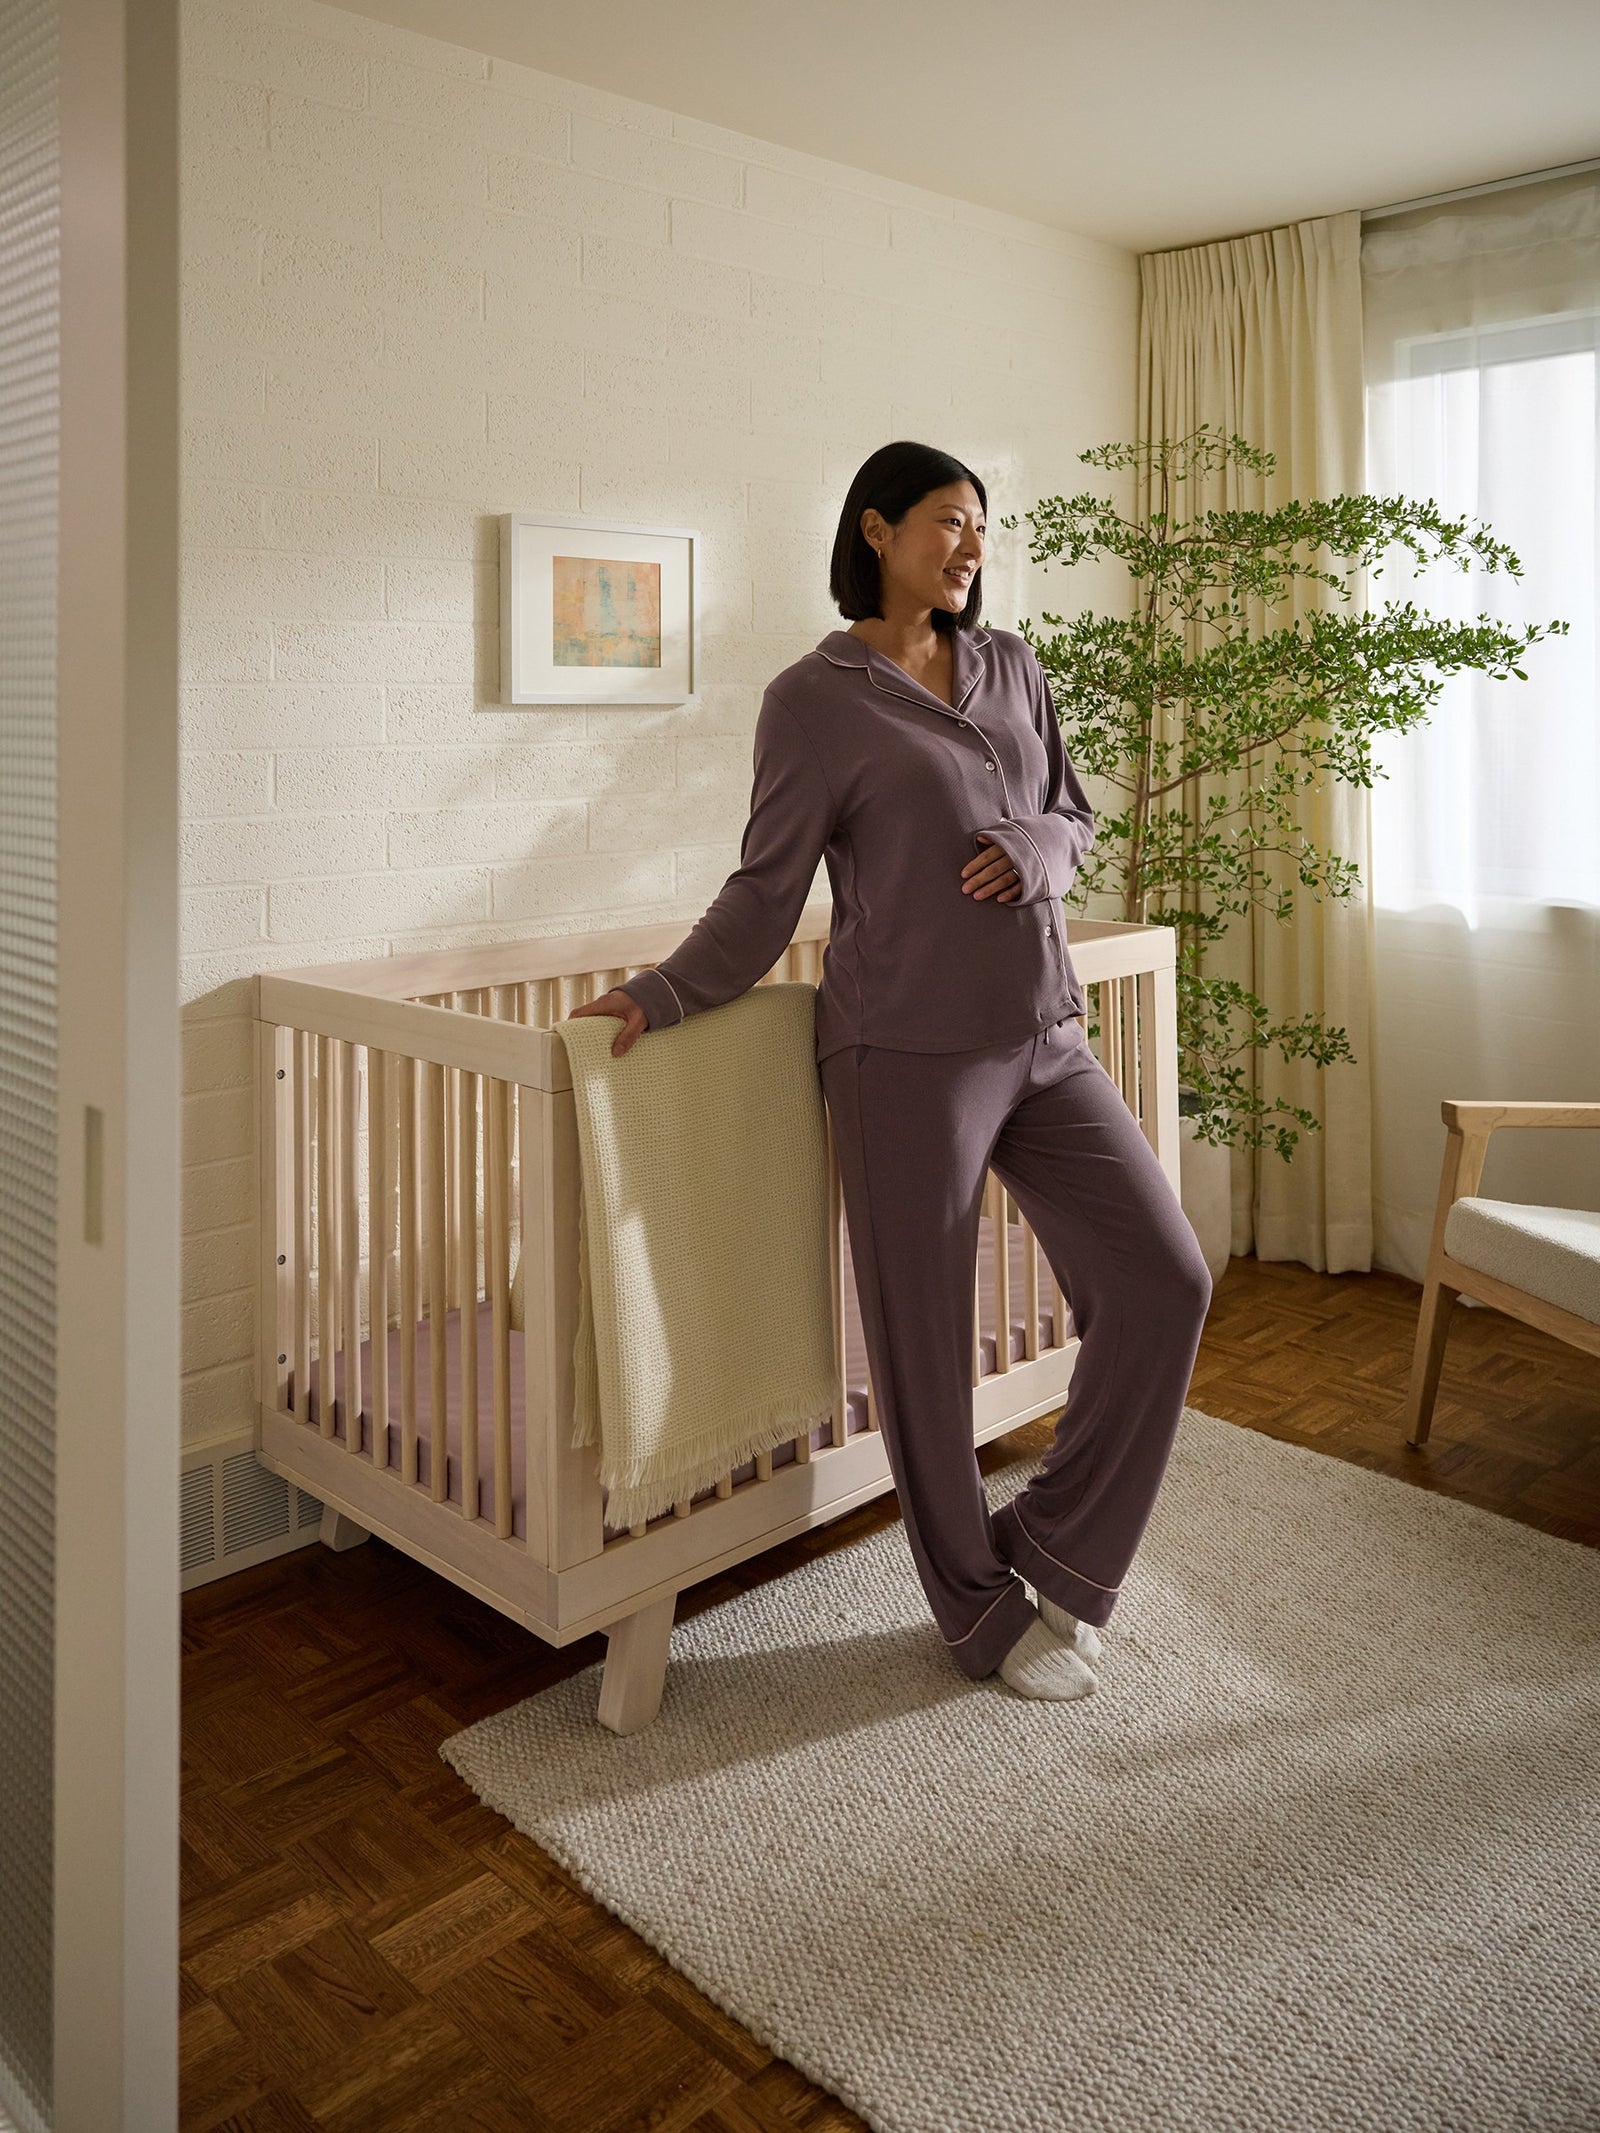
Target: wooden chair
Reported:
[(1541, 1264)]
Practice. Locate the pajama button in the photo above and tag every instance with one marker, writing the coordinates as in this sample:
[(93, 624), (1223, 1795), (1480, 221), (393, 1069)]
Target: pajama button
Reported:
[(988, 766)]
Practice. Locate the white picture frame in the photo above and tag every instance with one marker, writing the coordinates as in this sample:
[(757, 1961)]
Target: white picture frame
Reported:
[(597, 611)]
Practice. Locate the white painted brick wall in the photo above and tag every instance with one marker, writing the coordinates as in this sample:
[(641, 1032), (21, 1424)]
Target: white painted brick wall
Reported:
[(423, 287)]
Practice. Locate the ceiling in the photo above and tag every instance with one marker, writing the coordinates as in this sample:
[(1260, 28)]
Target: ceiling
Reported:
[(1146, 123)]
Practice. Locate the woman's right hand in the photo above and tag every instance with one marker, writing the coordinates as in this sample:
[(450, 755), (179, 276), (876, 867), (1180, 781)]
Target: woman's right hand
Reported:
[(627, 1009)]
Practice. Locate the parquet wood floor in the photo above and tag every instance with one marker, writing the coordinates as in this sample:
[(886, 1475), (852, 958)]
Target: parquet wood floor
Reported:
[(367, 1947)]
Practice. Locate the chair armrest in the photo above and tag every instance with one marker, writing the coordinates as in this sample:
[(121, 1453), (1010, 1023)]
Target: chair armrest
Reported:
[(1484, 1117), (1467, 1143)]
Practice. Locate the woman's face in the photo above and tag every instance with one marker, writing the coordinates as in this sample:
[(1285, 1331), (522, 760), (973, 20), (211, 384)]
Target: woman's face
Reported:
[(930, 558)]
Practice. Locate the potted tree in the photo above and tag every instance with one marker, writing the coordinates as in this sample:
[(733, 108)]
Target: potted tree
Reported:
[(1185, 687)]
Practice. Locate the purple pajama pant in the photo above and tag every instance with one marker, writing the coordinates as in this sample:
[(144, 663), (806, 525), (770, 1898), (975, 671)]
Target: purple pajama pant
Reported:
[(916, 1132)]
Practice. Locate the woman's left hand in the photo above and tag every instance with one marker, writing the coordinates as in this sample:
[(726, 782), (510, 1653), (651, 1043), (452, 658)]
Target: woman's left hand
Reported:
[(991, 874)]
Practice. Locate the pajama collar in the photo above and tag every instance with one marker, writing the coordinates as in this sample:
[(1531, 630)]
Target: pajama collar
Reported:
[(966, 650)]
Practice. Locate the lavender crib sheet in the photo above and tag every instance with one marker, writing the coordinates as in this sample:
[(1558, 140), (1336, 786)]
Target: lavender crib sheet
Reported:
[(855, 1383)]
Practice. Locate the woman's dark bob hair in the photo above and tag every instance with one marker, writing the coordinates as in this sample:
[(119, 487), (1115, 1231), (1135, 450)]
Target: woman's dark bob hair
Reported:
[(895, 477)]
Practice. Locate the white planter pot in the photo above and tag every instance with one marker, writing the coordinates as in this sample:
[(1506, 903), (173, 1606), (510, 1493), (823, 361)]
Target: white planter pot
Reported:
[(1206, 1192)]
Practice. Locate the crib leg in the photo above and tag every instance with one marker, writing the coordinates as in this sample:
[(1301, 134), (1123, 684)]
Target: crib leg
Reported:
[(338, 1532), (636, 1667)]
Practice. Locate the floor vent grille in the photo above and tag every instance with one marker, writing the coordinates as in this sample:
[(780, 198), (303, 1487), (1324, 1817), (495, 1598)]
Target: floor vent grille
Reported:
[(198, 1543), (234, 1514)]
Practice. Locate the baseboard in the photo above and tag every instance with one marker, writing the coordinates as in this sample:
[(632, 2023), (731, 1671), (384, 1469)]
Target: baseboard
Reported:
[(235, 1514)]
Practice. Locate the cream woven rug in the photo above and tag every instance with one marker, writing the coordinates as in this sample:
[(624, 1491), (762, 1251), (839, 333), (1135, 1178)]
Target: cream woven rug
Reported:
[(1322, 1854)]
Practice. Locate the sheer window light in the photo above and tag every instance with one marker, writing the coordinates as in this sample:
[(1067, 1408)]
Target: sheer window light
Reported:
[(1497, 797)]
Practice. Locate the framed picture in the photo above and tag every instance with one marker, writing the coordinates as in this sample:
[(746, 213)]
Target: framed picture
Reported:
[(596, 612)]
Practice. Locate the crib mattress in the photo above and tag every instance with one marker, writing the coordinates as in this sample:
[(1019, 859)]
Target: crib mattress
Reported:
[(783, 1455)]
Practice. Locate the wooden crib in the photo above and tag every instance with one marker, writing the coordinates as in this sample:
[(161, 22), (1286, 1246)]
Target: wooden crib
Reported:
[(418, 1139)]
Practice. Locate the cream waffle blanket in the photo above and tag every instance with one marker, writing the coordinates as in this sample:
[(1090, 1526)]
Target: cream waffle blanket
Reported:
[(705, 1325)]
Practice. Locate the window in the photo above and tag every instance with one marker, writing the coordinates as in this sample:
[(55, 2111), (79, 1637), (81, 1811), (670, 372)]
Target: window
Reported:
[(1494, 416), (1499, 793)]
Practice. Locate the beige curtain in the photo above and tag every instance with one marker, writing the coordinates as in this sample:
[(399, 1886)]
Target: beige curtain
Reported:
[(1261, 336)]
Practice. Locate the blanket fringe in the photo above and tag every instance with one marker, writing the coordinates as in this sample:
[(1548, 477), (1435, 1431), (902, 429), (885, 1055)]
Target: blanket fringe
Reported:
[(650, 1486)]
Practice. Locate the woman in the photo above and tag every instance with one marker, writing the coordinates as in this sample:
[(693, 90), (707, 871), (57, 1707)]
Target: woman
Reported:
[(919, 755)]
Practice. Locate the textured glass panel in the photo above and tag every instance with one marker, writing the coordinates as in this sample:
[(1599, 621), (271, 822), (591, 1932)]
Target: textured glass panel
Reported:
[(29, 401)]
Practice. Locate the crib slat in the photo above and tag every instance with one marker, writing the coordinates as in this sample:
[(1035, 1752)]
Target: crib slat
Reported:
[(336, 1079), (516, 1241), (1148, 1057), (763, 1466), (436, 1168), (1134, 1048), (497, 1183), (452, 1174), (1129, 1084), (836, 1283), (275, 1069), (350, 1209), (977, 1352), (1000, 1236), (1030, 1293), (724, 1486), (467, 1286), (379, 1220), (410, 1222), (1111, 1028), (327, 1244), (302, 1224)]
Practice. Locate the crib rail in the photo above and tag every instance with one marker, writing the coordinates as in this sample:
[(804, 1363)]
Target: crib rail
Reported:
[(418, 1140)]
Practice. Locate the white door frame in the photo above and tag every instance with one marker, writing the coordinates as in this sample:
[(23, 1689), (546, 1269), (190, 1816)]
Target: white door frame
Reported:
[(117, 1446)]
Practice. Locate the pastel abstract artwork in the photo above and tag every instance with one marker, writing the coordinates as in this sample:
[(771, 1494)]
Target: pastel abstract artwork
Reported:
[(605, 614)]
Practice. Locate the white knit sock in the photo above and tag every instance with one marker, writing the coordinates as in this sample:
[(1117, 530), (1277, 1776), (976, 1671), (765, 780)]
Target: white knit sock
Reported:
[(1039, 1664), (1080, 1635)]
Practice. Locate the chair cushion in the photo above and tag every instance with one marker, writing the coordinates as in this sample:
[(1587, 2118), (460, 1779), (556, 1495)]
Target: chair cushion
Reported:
[(1551, 1252)]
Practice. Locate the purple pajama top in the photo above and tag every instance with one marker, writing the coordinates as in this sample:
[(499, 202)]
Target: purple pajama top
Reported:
[(858, 764)]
